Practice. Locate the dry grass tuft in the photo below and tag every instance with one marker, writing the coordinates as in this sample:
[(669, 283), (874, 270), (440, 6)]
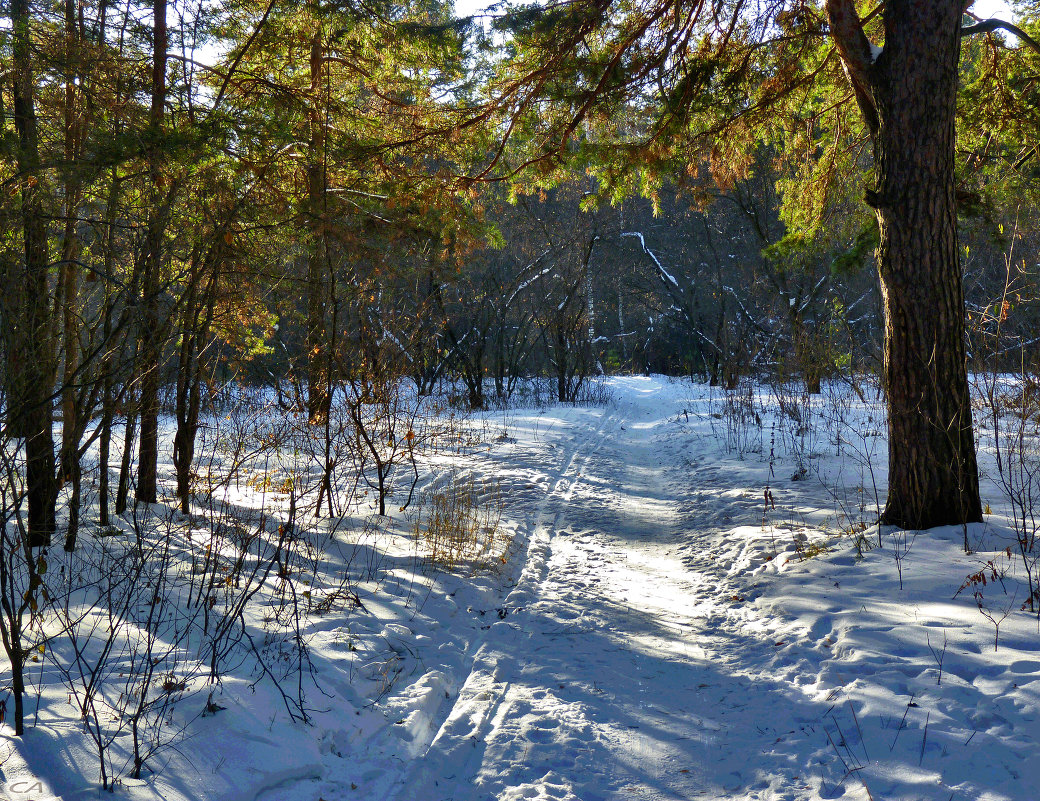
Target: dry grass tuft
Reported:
[(460, 524)]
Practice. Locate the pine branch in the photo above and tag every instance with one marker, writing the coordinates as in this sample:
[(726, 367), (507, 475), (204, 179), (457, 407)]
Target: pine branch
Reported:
[(991, 25)]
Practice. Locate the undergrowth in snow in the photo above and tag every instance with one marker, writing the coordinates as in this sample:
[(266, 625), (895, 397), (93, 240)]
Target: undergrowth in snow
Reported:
[(677, 593)]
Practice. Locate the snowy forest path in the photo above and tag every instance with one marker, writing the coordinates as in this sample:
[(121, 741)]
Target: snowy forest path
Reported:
[(626, 663)]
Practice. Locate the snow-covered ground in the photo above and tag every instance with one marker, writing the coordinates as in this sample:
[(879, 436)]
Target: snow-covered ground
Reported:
[(682, 601)]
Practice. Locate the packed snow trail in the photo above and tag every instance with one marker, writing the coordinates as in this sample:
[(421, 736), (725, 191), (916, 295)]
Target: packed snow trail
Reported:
[(623, 665)]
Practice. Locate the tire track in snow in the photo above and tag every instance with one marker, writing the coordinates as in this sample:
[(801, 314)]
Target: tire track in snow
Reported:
[(481, 705), (514, 736), (633, 671)]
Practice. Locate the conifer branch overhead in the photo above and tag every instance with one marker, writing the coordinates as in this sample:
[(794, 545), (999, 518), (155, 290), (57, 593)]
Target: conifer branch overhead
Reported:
[(991, 25), (856, 55)]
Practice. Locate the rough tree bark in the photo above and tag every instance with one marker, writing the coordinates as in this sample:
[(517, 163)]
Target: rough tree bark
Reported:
[(30, 368), (907, 95)]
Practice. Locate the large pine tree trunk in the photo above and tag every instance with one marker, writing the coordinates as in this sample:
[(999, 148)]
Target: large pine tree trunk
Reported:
[(933, 477), (908, 98)]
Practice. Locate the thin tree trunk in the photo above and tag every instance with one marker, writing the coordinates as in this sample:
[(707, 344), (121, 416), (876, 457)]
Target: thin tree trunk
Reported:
[(69, 271), (317, 264), (30, 371), (187, 418), (70, 414), (18, 689), (123, 488), (189, 381), (108, 392), (151, 333), (76, 478), (561, 364), (105, 450)]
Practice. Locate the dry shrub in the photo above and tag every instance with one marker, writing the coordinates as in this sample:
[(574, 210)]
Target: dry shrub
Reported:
[(460, 523)]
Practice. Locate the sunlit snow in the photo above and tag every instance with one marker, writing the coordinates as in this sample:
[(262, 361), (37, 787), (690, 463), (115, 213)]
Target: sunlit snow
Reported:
[(661, 629)]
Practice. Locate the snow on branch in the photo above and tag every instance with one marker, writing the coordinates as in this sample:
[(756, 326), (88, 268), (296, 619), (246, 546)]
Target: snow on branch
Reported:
[(747, 315), (665, 275), (811, 297), (388, 334), (532, 279)]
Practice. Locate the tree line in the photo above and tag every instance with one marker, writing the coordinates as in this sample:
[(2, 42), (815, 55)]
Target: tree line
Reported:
[(328, 195)]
